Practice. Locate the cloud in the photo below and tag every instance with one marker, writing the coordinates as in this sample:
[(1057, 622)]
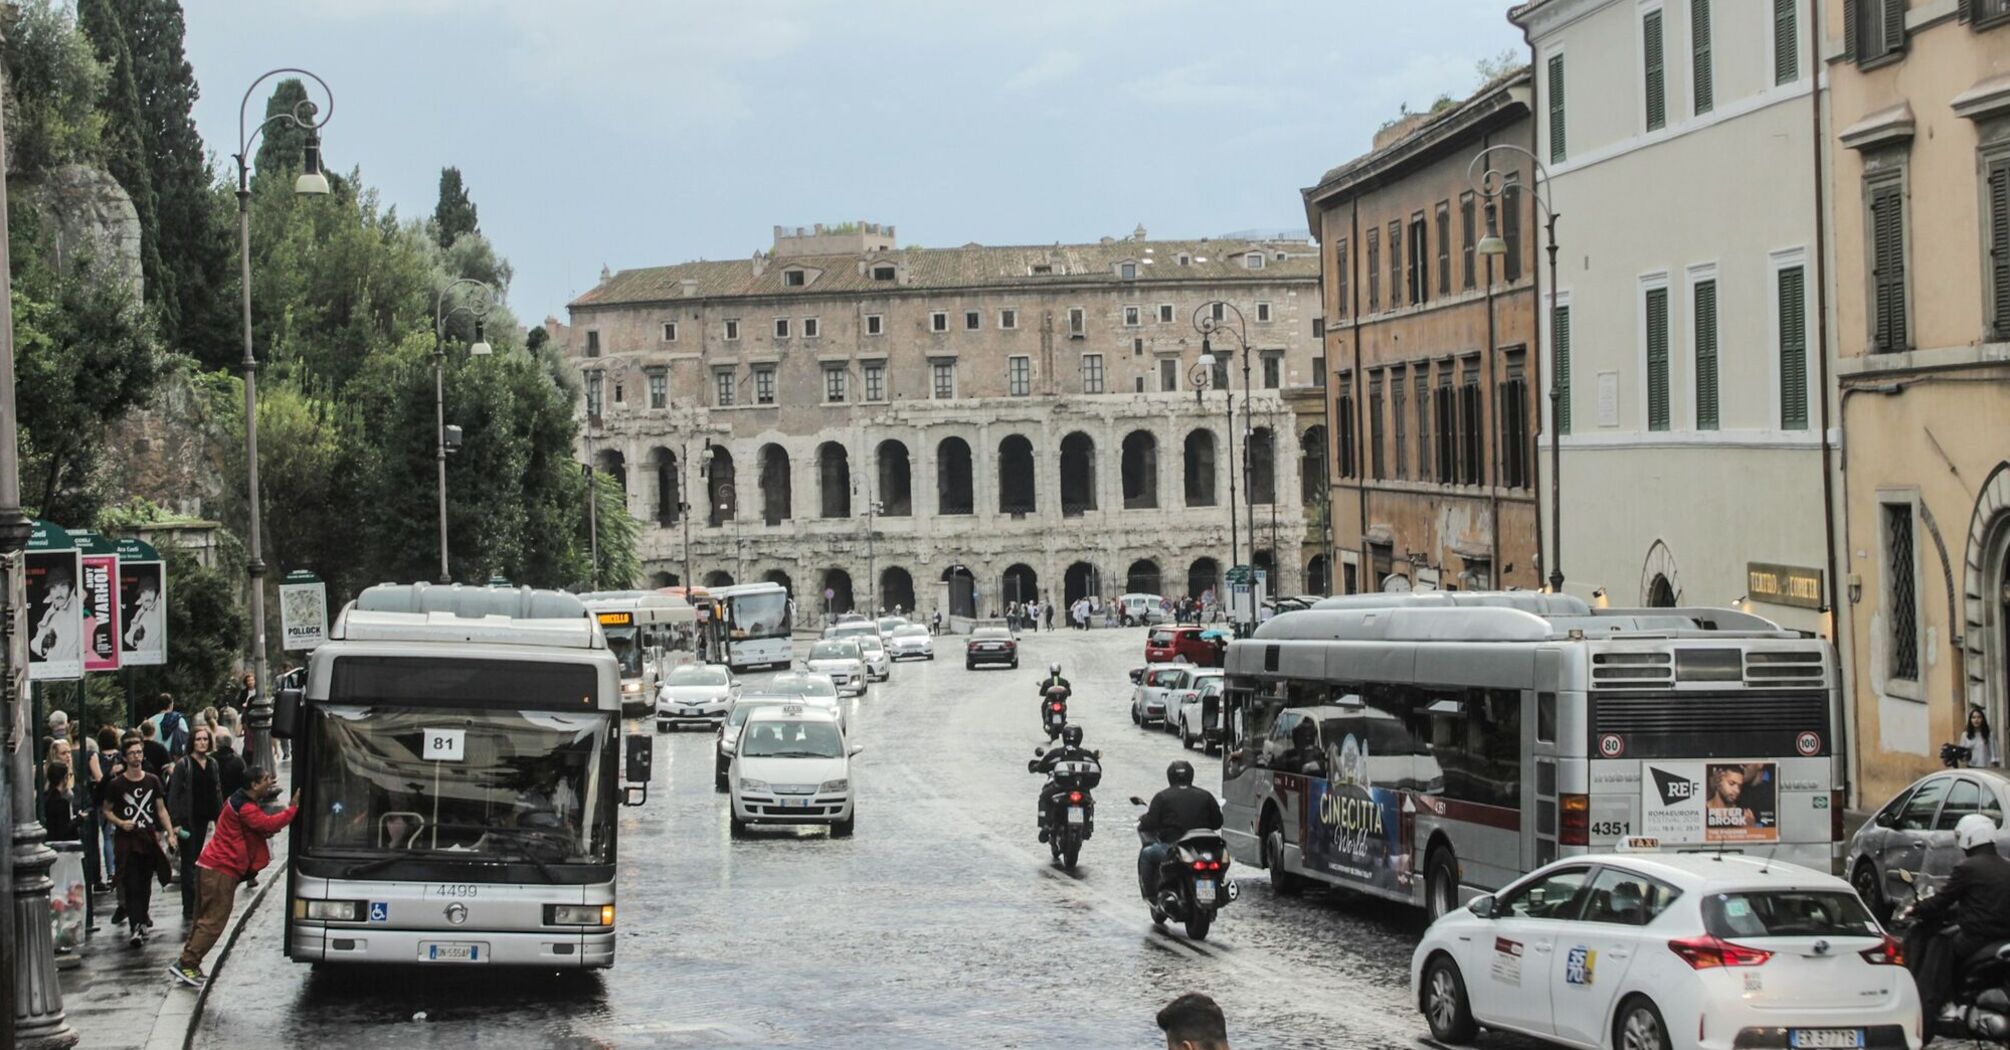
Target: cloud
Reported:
[(1054, 66), (1200, 85)]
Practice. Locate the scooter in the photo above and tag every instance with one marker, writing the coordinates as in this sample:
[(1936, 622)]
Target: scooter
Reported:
[(1192, 884), (1054, 712), (1067, 809), (1981, 993)]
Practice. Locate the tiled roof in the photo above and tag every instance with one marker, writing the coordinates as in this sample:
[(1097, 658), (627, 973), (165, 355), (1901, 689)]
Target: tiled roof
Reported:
[(969, 267)]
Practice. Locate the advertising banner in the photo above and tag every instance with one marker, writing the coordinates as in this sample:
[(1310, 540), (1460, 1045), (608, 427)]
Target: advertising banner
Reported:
[(142, 605), (1354, 830), (55, 609), (1710, 802), (303, 610), (99, 593)]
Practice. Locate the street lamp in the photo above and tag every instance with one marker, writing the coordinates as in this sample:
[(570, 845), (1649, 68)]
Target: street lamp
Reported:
[(1492, 184), (479, 348), (1211, 319), (310, 182), (872, 507)]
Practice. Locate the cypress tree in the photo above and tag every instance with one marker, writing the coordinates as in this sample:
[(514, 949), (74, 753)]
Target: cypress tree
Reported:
[(454, 215)]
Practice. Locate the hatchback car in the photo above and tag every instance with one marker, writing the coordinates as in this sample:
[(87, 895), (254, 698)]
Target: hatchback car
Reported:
[(1641, 950), (1914, 832), (1152, 698), (878, 662), (1195, 645), (729, 730), (911, 642), (1196, 712), (792, 766), (890, 624), (694, 695), (815, 688), (842, 660), (851, 629), (990, 645)]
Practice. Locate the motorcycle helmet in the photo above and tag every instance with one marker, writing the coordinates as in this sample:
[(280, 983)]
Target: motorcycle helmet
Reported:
[(1974, 830), (1072, 736), (1180, 774), (1054, 668)]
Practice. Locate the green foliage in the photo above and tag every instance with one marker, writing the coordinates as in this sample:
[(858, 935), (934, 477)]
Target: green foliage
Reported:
[(620, 565), (207, 633), (280, 148), (454, 215), (54, 82)]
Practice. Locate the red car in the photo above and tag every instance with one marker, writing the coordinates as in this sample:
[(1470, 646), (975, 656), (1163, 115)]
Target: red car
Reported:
[(1170, 643)]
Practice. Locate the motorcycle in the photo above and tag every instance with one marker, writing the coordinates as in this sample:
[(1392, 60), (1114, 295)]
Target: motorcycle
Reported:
[(1054, 711), (1192, 884), (1067, 809), (1981, 992)]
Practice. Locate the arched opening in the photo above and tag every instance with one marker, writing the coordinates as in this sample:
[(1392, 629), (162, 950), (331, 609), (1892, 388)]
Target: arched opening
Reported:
[(962, 590), (659, 580), (1660, 593), (1142, 577), (1019, 584), (834, 479), (722, 488), (718, 578), (612, 463), (896, 481), (1263, 562), (952, 477), (778, 576), (1312, 467), (1080, 581), (1015, 475), (1200, 468), (663, 463), (1317, 580), (1078, 474), (777, 495), (896, 589), (837, 592), (1202, 576), (1140, 470), (1262, 466)]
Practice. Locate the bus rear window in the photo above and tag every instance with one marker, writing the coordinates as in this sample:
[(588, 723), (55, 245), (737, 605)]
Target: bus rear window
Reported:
[(1788, 913)]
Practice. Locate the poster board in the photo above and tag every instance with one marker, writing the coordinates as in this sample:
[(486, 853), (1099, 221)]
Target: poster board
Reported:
[(55, 609), (143, 598), (303, 610), (99, 592)]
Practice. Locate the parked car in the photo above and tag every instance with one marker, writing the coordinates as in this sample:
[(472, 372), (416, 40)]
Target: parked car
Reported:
[(1143, 609), (1176, 699), (1195, 645), (990, 645), (912, 640), (1914, 832), (1197, 717), (1152, 697)]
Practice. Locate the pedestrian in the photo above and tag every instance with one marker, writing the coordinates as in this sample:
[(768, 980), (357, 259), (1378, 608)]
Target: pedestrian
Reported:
[(1193, 1022), (207, 717), (157, 757), (170, 727), (59, 727), (1975, 737), (1033, 615), (59, 810), (194, 799), (100, 766), (229, 764), (1047, 609), (935, 625), (135, 805), (235, 854)]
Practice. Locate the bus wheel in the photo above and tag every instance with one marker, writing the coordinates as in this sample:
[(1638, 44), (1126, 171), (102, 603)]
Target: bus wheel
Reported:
[(1441, 884), (1282, 882)]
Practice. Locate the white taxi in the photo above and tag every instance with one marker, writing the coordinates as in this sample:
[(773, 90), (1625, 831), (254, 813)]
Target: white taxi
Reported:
[(792, 765), (1642, 951)]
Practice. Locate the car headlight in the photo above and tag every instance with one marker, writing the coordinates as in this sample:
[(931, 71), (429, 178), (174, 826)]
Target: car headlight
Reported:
[(840, 784), (328, 911), (753, 785), (579, 915)]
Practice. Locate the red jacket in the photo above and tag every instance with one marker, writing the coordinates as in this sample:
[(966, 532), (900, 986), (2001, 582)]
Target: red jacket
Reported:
[(238, 845)]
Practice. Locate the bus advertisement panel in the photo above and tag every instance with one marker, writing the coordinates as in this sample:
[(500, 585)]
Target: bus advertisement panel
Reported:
[(1357, 833)]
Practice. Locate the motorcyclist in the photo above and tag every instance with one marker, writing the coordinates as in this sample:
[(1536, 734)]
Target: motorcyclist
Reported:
[(1071, 750), (1178, 809), (1980, 889), (1053, 679)]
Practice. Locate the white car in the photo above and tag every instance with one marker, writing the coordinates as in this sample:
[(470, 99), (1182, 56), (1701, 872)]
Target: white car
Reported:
[(729, 729), (695, 694), (911, 641), (1636, 950), (792, 766), (1188, 695), (842, 661), (1155, 689), (813, 688), (851, 629), (878, 662), (1190, 718), (890, 624)]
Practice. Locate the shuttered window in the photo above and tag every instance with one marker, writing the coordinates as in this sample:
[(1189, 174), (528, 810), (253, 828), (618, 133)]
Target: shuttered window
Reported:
[(1395, 264), (1560, 333), (1444, 247), (1343, 433), (1374, 270), (1997, 236), (1786, 41), (1377, 462), (1793, 305), (1887, 262), (1340, 277), (1557, 147), (1657, 358), (1656, 81), (1705, 83), (1706, 355), (1423, 421), (1511, 208), (1466, 236), (1873, 29)]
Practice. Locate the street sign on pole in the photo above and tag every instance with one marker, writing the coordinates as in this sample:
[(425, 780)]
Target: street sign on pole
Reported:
[(303, 610)]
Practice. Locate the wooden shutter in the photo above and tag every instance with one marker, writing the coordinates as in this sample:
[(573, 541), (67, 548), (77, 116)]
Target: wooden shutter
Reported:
[(1657, 91), (1964, 10), (1657, 359), (1560, 334), (1444, 247), (1706, 355), (1786, 42), (1705, 83), (1395, 264), (1852, 24), (1894, 27), (1887, 209), (1793, 349), (1340, 277), (1998, 183), (1511, 206), (1557, 147)]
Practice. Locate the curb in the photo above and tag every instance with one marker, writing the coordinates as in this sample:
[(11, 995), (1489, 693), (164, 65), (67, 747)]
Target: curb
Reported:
[(175, 1024)]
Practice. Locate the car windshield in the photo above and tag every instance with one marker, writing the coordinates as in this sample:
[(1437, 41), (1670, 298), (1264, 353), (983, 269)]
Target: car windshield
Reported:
[(697, 674), (991, 634), (1788, 913), (911, 631), (780, 739), (834, 651), (804, 685)]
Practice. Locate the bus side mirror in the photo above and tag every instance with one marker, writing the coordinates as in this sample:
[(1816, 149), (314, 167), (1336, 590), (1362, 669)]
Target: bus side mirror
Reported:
[(640, 751), (285, 713)]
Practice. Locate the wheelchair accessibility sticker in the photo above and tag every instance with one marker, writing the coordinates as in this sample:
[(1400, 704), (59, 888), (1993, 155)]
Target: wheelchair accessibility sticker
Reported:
[(380, 911), (1580, 966)]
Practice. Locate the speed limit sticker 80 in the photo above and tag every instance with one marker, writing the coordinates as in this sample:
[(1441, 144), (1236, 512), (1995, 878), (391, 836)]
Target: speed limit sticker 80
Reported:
[(1611, 745)]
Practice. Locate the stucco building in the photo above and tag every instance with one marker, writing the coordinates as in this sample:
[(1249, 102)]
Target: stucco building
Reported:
[(958, 427)]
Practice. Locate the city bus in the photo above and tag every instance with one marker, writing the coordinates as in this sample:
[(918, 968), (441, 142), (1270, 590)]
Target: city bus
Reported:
[(459, 758), (754, 628), (643, 630), (1429, 747)]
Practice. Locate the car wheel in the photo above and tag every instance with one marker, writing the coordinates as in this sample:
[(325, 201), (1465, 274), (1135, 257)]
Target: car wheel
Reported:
[(1639, 1026), (1136, 718), (1864, 881), (1015, 665), (663, 727), (737, 826), (1185, 741), (1445, 1004), (843, 828), (969, 665), (931, 656), (1441, 884)]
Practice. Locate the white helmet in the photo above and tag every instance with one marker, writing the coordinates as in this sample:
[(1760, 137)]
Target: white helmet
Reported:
[(1974, 830), (1054, 668)]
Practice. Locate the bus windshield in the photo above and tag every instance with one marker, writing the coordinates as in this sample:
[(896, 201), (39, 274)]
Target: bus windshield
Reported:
[(760, 615), (453, 783), (623, 643)]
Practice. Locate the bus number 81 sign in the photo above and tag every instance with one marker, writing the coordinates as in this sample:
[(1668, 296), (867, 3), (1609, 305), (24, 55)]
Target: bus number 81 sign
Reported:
[(444, 745)]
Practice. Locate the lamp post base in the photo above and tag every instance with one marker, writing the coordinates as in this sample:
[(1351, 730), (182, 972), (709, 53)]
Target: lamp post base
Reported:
[(39, 1021)]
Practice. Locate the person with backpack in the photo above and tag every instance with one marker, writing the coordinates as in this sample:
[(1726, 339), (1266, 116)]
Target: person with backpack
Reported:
[(170, 727)]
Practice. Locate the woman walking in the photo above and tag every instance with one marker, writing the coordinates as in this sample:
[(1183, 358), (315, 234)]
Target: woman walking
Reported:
[(1975, 737), (195, 797)]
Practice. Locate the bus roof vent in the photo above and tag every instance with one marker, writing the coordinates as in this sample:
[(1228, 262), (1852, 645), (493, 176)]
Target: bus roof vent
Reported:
[(1632, 670), (1791, 667), (522, 603)]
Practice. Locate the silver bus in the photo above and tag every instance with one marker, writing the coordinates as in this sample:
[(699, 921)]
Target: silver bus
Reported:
[(459, 757), (644, 631), (1429, 747), (756, 628)]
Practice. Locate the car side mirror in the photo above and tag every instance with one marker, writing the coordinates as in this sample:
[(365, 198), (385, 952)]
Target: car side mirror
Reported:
[(285, 713), (855, 749), (1038, 751), (1482, 906)]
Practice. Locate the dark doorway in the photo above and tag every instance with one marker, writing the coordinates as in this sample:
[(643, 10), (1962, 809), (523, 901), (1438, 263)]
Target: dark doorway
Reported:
[(952, 477), (1200, 468), (1262, 466), (896, 589), (1019, 584), (962, 588), (1015, 476), (1660, 593), (778, 576), (721, 487), (664, 463), (834, 479), (838, 583), (1202, 576), (613, 464), (1080, 581), (1078, 474), (1140, 470), (660, 580), (718, 578), (1264, 563), (1316, 581), (1312, 473), (896, 481), (1142, 577), (777, 495)]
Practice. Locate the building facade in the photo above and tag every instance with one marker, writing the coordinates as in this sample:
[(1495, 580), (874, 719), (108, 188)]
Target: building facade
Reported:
[(1919, 192), (1429, 338), (1686, 312), (956, 428)]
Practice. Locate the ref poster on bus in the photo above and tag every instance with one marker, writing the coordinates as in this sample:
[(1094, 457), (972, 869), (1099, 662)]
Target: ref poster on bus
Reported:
[(1355, 832), (1706, 802)]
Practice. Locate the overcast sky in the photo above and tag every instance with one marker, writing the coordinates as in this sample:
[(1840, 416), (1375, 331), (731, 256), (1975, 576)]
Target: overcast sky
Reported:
[(645, 132)]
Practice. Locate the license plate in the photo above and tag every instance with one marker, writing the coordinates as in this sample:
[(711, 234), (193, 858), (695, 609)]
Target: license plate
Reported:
[(460, 951), (1075, 815), (1824, 1037), (795, 803), (1203, 891)]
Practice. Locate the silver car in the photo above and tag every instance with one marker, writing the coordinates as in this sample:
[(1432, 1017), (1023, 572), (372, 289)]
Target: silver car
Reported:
[(1914, 832), (911, 642), (842, 661), (878, 662), (695, 695)]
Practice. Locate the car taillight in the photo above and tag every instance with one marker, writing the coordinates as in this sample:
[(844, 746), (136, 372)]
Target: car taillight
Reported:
[(1889, 953), (1576, 827), (1836, 816), (1707, 952), (1074, 796)]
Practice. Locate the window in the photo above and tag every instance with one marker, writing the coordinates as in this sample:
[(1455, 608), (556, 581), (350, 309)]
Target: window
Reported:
[(1252, 260), (1420, 248), (1374, 270), (972, 320), (1887, 263), (1996, 234), (764, 385), (1008, 319), (834, 377), (1786, 41), (794, 278), (1466, 218), (1138, 383), (619, 398), (1343, 423), (1554, 896), (1165, 313), (1043, 269), (1624, 899), (1129, 271), (781, 328), (1377, 467), (1873, 29), (811, 329), (1473, 470), (1092, 373), (1919, 810), (1657, 88), (1273, 370), (1218, 310), (1019, 376), (1703, 83), (1513, 413), (1319, 328), (732, 330), (938, 321), (1395, 264), (1138, 346), (1901, 593), (1185, 259), (1511, 207), (722, 386), (1397, 414), (884, 273), (1559, 331), (659, 389), (1077, 323), (1343, 279), (1423, 398), (1654, 318), (875, 380), (1558, 145), (1318, 371), (1132, 317), (1219, 380), (1963, 799), (1705, 324), (1168, 374), (1263, 313), (669, 331), (942, 373), (593, 383), (1444, 248), (875, 324), (1445, 409), (593, 344), (1793, 348)]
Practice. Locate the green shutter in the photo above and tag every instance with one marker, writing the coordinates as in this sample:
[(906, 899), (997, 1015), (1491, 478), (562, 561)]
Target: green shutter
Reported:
[(1699, 54), (1657, 359), (1852, 21), (1793, 349), (1557, 148), (1706, 355), (1560, 335), (1998, 181), (1786, 42), (1894, 27), (1887, 209), (1657, 92)]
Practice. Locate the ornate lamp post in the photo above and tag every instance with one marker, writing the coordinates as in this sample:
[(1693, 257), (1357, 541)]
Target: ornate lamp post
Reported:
[(872, 507), (310, 182), (1208, 325), (478, 348)]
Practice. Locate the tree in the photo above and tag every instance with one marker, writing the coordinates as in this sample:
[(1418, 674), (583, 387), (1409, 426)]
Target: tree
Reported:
[(280, 148), (127, 151), (53, 85), (454, 215)]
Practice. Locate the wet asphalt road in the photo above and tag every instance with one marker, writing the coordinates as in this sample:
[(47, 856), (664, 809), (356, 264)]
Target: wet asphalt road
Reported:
[(941, 924)]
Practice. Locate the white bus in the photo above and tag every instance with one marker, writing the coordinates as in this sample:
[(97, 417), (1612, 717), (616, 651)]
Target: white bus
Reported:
[(644, 630), (459, 757), (1430, 747), (755, 629)]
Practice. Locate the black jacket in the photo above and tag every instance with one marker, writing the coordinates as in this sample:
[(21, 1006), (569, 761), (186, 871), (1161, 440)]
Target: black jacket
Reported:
[(1178, 810), (1981, 889), (229, 771), (195, 793), (1053, 680)]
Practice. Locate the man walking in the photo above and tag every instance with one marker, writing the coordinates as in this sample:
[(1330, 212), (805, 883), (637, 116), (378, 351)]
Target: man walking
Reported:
[(1047, 611), (135, 806), (235, 853), (1193, 1022)]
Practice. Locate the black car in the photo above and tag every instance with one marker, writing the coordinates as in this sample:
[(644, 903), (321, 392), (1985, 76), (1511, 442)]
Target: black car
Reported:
[(990, 645)]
